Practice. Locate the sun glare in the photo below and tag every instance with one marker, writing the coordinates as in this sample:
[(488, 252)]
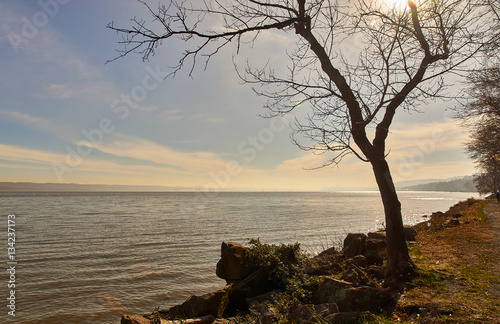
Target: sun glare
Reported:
[(397, 4)]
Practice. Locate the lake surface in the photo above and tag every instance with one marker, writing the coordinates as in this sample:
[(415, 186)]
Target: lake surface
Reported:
[(91, 257)]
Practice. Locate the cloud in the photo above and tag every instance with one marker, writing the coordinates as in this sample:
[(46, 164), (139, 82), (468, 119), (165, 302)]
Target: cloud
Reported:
[(426, 136), (34, 122), (20, 154), (140, 149)]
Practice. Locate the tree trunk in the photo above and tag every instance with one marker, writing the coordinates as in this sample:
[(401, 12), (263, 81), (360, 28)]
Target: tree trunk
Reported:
[(399, 264)]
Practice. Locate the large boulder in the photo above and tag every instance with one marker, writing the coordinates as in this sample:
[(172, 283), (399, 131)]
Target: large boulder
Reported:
[(233, 264)]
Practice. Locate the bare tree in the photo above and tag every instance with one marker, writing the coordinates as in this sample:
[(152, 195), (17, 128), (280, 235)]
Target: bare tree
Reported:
[(481, 115), (353, 92)]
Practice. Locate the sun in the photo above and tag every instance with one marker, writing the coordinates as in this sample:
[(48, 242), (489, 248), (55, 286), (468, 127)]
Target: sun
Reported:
[(397, 4)]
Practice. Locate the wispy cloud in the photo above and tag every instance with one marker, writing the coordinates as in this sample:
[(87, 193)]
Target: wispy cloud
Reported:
[(34, 122), (140, 149)]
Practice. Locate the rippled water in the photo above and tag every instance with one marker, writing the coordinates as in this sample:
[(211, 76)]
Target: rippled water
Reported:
[(90, 257)]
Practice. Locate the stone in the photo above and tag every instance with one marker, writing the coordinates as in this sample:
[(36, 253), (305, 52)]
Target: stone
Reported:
[(377, 271), (373, 257), (256, 284), (325, 263), (379, 245), (410, 233), (233, 265), (331, 290), (310, 313), (359, 260), (134, 319), (380, 235), (362, 299), (438, 214), (352, 236), (208, 304), (354, 275), (354, 244)]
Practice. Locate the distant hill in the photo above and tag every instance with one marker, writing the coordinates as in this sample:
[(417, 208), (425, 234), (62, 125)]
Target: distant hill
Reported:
[(73, 187), (463, 184)]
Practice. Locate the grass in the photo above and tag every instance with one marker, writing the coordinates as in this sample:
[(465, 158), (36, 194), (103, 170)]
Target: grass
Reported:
[(455, 281)]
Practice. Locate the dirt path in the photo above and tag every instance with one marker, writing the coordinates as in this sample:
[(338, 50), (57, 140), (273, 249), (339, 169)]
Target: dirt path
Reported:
[(493, 211)]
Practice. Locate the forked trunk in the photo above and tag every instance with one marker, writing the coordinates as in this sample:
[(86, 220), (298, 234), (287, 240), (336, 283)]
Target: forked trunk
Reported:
[(399, 264)]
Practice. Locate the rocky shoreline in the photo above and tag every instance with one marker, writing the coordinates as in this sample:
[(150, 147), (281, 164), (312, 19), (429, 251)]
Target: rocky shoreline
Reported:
[(280, 284), (338, 286)]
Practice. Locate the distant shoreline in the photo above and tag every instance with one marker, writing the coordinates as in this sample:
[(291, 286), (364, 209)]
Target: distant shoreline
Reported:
[(464, 184)]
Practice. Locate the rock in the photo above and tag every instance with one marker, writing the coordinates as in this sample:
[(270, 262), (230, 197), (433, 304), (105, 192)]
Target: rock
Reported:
[(350, 299), (376, 250), (354, 275), (233, 264), (410, 233), (352, 236), (354, 244), (209, 304), (310, 313), (380, 235), (373, 257), (376, 244), (438, 214), (134, 319), (329, 251), (316, 271), (256, 284), (361, 299), (331, 290), (377, 271), (325, 263), (359, 260)]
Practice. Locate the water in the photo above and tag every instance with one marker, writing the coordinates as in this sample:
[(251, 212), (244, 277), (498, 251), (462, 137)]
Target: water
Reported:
[(90, 257)]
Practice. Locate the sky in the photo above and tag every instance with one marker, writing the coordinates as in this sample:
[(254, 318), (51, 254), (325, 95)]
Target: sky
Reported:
[(68, 117)]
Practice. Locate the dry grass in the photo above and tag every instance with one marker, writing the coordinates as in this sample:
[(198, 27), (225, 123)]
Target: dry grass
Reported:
[(458, 278)]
